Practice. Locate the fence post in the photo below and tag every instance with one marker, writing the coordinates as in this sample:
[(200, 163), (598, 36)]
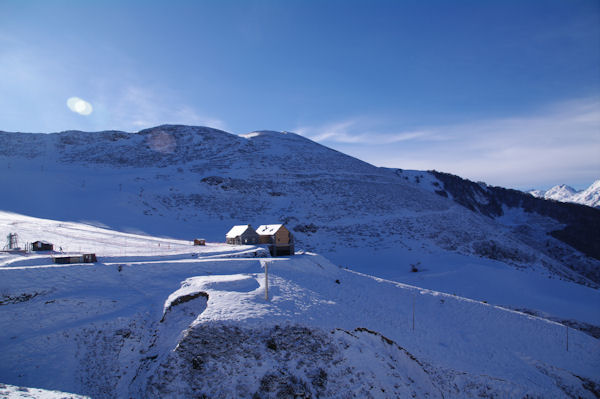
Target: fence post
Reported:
[(266, 281), (413, 314)]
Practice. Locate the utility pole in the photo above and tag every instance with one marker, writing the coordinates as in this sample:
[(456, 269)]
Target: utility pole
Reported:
[(266, 281)]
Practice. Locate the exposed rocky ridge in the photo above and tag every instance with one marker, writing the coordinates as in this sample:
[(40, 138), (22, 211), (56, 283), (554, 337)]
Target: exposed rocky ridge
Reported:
[(220, 360)]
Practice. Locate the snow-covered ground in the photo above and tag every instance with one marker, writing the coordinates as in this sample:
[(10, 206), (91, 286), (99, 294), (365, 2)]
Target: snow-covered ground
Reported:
[(14, 392), (177, 320), (186, 181), (158, 315), (484, 280), (71, 237)]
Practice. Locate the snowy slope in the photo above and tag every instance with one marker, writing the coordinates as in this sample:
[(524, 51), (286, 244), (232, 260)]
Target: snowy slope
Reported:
[(14, 392), (590, 196), (560, 193), (186, 182), (185, 321)]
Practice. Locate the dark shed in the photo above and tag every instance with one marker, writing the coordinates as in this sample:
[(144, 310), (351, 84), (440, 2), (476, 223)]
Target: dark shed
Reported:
[(42, 246)]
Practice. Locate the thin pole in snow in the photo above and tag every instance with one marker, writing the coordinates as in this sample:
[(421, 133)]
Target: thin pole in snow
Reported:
[(266, 281), (567, 338), (413, 325)]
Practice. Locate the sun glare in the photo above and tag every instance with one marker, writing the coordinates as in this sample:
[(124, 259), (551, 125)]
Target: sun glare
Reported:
[(79, 106)]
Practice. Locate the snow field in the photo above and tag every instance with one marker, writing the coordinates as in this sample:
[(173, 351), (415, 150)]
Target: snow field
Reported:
[(106, 329), (14, 392)]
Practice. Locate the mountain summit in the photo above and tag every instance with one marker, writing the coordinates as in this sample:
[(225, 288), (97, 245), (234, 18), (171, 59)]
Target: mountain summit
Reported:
[(590, 196)]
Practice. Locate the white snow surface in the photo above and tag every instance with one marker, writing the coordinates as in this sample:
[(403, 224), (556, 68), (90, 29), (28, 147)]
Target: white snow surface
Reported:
[(14, 392), (178, 320), (561, 192), (590, 196), (237, 230), (268, 229), (186, 181)]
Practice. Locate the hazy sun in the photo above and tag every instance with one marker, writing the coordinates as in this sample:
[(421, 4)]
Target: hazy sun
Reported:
[(79, 106)]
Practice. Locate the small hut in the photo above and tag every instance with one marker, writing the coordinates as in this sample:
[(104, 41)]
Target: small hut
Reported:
[(42, 246), (89, 258), (278, 238), (199, 241), (85, 258), (242, 235)]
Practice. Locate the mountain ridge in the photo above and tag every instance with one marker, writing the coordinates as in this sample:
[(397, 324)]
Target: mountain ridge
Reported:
[(183, 181), (589, 196), (382, 233)]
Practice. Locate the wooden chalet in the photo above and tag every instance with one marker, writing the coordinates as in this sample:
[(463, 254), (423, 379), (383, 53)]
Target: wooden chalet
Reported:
[(42, 246), (199, 241), (242, 235), (277, 237)]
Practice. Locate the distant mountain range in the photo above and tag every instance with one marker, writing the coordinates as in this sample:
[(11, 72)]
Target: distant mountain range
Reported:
[(563, 193)]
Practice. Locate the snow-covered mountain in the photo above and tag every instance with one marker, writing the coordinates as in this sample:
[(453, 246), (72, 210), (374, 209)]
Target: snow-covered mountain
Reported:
[(155, 317), (561, 192), (185, 182), (159, 317), (590, 196)]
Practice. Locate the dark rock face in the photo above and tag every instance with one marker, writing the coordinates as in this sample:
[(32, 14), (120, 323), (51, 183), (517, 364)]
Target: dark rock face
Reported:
[(582, 230), (581, 223)]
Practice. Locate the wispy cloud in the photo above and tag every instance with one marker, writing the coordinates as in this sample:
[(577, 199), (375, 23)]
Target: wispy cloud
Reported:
[(140, 107), (557, 144), (353, 132), (37, 82)]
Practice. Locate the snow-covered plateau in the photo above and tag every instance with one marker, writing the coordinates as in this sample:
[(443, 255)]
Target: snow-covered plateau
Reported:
[(158, 317)]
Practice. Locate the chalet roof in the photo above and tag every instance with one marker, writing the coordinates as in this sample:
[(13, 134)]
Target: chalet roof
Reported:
[(268, 229), (238, 230), (42, 242)]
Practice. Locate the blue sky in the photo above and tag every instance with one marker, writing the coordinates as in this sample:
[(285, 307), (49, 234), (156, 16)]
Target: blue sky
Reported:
[(507, 92)]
